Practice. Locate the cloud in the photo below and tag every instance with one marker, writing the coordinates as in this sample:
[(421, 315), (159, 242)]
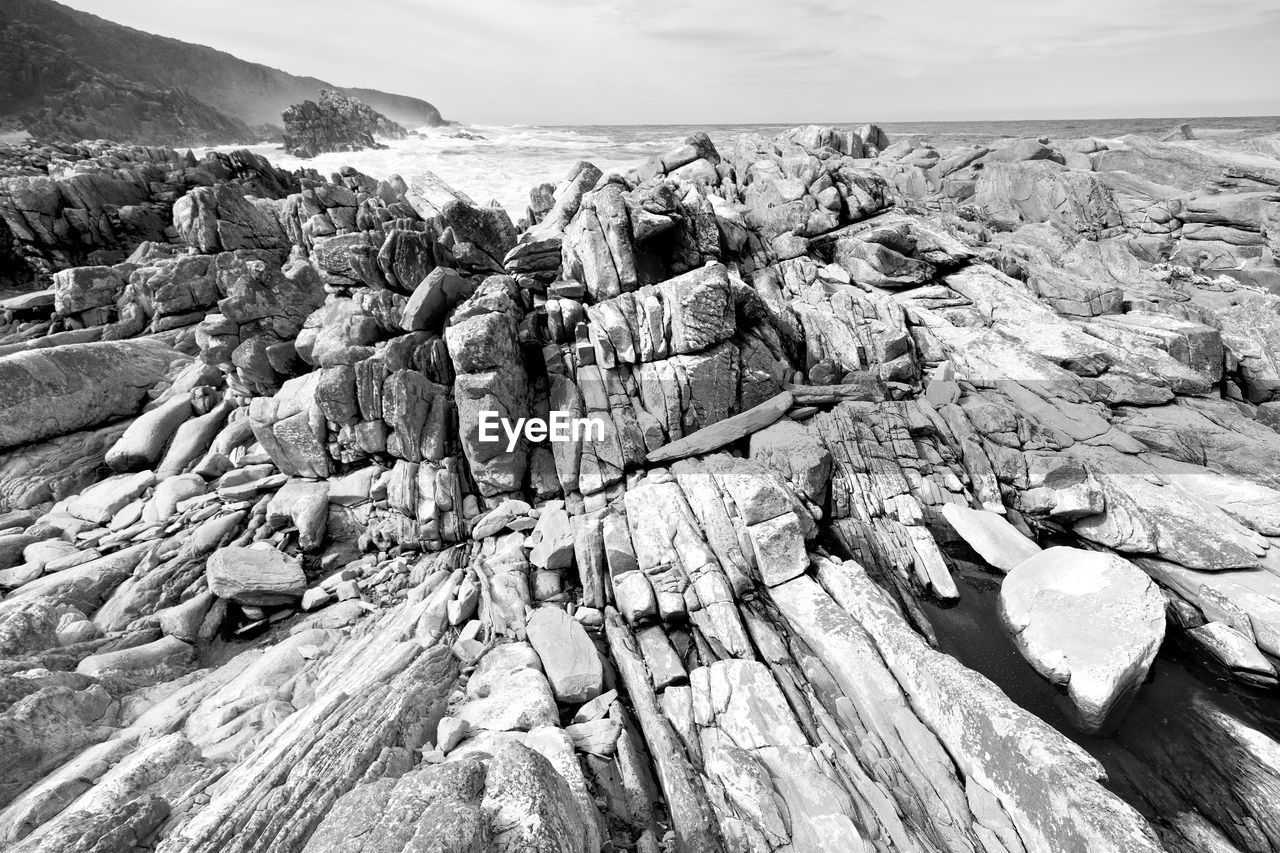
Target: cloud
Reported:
[(922, 34), (637, 61)]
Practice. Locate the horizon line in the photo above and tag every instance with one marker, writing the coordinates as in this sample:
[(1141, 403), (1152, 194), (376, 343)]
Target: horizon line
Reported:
[(1183, 118)]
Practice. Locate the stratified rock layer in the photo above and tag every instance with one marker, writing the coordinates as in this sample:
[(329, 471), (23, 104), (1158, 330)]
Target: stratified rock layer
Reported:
[(640, 524)]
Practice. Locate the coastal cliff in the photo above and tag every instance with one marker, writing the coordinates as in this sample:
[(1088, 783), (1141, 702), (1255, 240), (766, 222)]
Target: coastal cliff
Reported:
[(871, 414), (67, 75)]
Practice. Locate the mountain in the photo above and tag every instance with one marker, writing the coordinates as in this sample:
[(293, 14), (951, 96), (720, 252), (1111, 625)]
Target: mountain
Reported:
[(69, 74)]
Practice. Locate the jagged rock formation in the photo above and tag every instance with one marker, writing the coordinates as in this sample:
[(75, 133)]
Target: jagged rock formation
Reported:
[(63, 206), (336, 123), (301, 594), (67, 75)]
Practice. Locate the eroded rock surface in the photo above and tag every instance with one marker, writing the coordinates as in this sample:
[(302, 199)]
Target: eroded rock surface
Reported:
[(275, 579)]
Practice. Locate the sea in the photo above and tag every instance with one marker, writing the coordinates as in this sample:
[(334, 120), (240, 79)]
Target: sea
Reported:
[(502, 163)]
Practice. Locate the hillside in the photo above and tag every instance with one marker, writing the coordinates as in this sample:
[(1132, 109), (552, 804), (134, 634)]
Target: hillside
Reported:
[(54, 58)]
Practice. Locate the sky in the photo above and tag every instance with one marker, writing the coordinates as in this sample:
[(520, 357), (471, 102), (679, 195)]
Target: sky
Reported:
[(757, 61)]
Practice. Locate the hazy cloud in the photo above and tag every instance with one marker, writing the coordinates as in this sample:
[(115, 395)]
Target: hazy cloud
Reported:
[(647, 61)]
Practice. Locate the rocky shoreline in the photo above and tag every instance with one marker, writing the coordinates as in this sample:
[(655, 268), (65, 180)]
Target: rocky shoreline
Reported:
[(268, 586)]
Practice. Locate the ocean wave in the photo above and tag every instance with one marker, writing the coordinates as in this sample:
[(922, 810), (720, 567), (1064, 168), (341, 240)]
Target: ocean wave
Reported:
[(511, 159)]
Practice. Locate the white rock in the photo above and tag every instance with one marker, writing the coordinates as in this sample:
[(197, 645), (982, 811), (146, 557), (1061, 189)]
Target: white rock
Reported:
[(450, 732), (991, 535), (552, 538), (1089, 621), (568, 656)]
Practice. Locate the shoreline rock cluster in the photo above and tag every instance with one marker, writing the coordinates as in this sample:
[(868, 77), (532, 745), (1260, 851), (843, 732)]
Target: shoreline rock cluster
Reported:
[(266, 586), (337, 122)]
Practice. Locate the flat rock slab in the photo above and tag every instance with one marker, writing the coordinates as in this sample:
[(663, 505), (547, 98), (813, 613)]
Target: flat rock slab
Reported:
[(510, 512), (1088, 621), (991, 535), (261, 576), (568, 656), (164, 656), (727, 431)]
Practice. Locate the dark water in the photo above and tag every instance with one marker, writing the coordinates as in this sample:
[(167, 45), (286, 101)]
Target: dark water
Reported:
[(1166, 758)]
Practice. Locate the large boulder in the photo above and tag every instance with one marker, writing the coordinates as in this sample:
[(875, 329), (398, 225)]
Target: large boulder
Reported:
[(1043, 191), (81, 288), (51, 392), (290, 426), (260, 576), (1089, 622), (222, 219), (567, 654), (797, 455), (531, 806)]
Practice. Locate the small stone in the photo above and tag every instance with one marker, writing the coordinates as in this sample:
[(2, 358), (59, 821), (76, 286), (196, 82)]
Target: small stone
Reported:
[(589, 617), (596, 708), (315, 598), (468, 651), (450, 732), (598, 737), (546, 585)]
